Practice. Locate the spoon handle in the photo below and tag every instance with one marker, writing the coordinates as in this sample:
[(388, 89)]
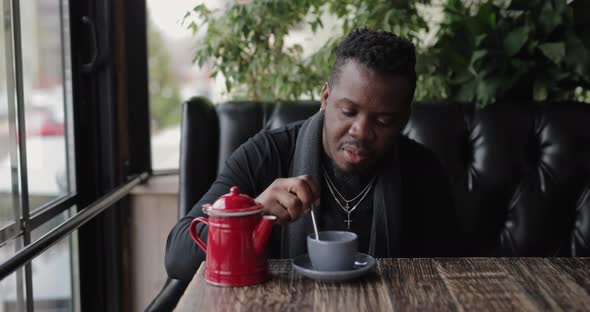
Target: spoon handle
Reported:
[(315, 226)]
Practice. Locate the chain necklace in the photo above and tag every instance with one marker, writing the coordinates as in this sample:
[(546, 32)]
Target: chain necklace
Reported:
[(347, 202)]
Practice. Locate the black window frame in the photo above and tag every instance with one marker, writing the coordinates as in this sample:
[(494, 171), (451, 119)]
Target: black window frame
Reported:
[(108, 48)]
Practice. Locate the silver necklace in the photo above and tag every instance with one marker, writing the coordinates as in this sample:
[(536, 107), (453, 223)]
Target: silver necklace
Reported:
[(340, 199)]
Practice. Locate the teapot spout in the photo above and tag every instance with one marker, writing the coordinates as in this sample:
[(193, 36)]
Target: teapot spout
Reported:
[(262, 232)]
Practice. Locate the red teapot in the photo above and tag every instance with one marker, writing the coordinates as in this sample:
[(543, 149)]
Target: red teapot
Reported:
[(236, 243)]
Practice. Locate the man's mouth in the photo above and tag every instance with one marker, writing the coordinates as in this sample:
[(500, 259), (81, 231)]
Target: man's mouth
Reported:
[(354, 158), (354, 154)]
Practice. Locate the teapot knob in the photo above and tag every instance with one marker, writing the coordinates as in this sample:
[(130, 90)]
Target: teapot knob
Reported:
[(234, 190)]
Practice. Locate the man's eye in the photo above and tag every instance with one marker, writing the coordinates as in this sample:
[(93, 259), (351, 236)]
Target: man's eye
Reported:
[(347, 113), (386, 122)]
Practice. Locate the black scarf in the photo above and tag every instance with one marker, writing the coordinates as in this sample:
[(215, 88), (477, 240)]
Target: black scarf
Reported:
[(386, 229)]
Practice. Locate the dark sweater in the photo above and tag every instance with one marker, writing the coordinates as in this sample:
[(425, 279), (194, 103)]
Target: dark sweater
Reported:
[(428, 214)]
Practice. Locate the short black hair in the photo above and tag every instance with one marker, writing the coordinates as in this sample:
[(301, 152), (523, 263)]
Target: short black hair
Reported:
[(382, 51)]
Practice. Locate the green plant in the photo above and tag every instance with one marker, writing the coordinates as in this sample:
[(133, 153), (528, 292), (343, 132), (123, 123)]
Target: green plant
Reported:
[(164, 92), (246, 42), (483, 51), (512, 49)]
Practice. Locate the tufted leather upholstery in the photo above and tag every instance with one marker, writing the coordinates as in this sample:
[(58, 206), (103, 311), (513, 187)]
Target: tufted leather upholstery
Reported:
[(520, 172), (199, 150)]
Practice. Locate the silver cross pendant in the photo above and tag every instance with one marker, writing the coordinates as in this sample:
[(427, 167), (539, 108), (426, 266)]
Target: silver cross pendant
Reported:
[(348, 221)]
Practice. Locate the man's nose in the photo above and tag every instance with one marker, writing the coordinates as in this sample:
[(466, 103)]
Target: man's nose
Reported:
[(361, 129)]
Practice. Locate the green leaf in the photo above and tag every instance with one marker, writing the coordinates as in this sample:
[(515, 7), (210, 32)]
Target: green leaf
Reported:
[(531, 46), (540, 89), (201, 61), (314, 26), (480, 39), (477, 55), (560, 6), (386, 21), (486, 15), (194, 28), (576, 55), (486, 90), (461, 78), (522, 4), (227, 84), (553, 51), (515, 40), (550, 17), (467, 91)]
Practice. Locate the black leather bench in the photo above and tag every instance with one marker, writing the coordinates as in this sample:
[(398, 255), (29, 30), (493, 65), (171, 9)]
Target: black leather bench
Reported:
[(520, 171)]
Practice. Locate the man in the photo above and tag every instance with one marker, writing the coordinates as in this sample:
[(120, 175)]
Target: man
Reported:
[(349, 160)]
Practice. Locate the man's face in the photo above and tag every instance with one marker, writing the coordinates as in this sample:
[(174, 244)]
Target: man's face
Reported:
[(364, 114)]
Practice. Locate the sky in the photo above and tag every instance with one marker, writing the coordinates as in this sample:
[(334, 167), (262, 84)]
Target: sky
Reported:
[(168, 14)]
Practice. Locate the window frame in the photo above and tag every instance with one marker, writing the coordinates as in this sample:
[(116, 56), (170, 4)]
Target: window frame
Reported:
[(110, 132), (25, 221)]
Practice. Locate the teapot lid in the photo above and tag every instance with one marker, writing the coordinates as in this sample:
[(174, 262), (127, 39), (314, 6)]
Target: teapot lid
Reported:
[(233, 204)]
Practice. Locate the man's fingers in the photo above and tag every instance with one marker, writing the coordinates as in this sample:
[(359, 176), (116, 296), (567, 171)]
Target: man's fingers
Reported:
[(290, 197), (291, 202), (312, 186), (301, 189), (275, 208)]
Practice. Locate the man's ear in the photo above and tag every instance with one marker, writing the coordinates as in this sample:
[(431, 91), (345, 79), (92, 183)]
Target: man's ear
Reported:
[(324, 97)]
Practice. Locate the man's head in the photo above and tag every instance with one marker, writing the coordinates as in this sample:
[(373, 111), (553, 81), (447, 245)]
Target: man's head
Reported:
[(367, 99)]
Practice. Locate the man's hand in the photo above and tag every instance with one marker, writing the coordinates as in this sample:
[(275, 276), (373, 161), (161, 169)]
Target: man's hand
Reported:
[(290, 197)]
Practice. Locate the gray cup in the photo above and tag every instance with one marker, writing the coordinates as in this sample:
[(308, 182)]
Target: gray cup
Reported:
[(335, 251)]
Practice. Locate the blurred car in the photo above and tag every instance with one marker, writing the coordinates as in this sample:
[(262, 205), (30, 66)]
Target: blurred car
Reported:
[(41, 121), (46, 154)]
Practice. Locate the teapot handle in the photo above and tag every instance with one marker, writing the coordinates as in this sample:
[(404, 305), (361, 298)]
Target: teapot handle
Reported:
[(195, 236)]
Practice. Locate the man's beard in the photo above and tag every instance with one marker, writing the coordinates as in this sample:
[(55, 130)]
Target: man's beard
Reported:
[(347, 182)]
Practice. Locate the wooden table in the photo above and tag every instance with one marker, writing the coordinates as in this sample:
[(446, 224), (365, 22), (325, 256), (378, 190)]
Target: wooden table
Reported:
[(474, 284)]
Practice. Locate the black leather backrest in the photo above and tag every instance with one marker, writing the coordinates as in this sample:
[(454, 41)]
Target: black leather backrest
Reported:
[(199, 151), (238, 121), (288, 112), (519, 171), (580, 241), (241, 120)]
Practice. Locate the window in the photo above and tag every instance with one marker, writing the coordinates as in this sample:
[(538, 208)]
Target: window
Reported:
[(7, 213), (36, 152), (173, 77), (74, 131), (53, 272)]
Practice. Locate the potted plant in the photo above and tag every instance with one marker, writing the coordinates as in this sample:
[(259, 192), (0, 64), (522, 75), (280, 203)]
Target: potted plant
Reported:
[(482, 51)]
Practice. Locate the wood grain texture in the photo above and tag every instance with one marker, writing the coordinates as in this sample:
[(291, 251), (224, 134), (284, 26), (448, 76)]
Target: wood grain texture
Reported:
[(482, 284), (578, 269), (548, 280), (364, 294), (415, 284), (456, 284)]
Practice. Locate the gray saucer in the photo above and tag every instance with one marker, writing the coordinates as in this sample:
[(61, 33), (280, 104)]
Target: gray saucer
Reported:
[(363, 263)]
